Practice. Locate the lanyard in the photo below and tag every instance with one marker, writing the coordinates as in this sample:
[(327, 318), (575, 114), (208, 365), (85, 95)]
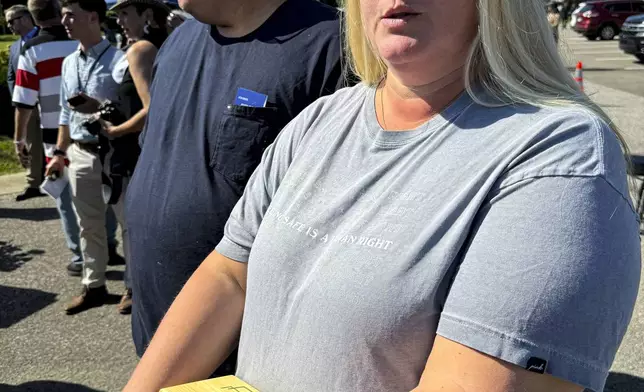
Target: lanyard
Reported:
[(30, 35), (81, 87)]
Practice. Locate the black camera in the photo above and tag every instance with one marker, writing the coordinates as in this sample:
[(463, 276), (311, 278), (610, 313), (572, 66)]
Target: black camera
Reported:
[(122, 157), (107, 112)]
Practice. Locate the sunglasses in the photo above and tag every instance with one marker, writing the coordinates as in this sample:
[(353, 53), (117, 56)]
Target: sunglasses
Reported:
[(10, 21)]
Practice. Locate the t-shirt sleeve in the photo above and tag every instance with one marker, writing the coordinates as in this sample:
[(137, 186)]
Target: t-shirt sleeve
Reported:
[(246, 217), (25, 92), (549, 277)]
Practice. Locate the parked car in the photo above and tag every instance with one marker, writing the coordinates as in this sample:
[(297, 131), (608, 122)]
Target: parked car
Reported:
[(632, 38), (605, 18), (575, 13)]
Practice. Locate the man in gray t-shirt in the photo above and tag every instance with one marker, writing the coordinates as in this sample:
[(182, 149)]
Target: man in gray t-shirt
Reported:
[(508, 230)]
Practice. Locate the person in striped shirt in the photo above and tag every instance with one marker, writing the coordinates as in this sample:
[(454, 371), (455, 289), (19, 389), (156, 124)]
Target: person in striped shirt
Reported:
[(37, 83), (38, 75)]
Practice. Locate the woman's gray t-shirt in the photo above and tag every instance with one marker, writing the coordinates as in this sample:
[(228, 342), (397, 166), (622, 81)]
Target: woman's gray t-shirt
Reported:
[(508, 230)]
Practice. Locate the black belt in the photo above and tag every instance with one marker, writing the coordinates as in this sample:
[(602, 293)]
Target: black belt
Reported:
[(87, 146)]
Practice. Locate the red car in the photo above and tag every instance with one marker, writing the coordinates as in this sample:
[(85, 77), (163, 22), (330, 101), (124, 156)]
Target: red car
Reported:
[(604, 19)]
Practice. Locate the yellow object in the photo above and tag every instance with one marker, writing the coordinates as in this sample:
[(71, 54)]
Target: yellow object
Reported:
[(219, 384)]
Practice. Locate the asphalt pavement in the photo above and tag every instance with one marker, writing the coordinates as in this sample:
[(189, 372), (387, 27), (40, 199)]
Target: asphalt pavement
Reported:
[(604, 63), (42, 349)]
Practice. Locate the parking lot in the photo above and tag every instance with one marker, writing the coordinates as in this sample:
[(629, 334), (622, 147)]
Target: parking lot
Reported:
[(604, 63)]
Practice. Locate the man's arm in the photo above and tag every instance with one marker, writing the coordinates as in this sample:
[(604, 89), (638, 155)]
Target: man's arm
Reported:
[(25, 97), (57, 163), (23, 114), (200, 329), (64, 139), (453, 367), (65, 110)]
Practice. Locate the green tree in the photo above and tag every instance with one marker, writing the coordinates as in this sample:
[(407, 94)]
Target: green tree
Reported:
[(3, 21)]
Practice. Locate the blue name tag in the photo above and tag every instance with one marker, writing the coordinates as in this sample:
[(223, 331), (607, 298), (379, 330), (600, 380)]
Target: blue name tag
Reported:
[(250, 98)]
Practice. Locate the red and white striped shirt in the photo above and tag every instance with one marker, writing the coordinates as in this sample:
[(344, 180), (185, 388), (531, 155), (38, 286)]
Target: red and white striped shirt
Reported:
[(38, 78)]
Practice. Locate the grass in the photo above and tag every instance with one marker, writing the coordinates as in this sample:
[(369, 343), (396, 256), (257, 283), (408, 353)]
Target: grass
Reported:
[(9, 164), (6, 41)]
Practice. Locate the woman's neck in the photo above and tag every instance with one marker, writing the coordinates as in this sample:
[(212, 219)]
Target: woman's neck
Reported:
[(403, 107)]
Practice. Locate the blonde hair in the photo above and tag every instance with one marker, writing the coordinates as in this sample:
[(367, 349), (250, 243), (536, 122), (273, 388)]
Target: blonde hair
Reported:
[(514, 58), (44, 10)]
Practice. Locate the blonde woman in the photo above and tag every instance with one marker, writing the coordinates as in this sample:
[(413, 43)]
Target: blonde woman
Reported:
[(459, 221)]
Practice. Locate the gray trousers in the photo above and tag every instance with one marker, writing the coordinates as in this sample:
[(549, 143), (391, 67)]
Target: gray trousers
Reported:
[(36, 152)]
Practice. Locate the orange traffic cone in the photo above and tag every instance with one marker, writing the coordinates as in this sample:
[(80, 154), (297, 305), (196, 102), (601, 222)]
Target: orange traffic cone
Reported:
[(579, 76)]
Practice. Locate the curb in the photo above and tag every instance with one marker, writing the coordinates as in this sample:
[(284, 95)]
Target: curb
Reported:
[(12, 183)]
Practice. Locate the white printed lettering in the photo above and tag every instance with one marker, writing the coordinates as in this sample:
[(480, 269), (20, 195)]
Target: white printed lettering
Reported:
[(341, 238), (379, 243)]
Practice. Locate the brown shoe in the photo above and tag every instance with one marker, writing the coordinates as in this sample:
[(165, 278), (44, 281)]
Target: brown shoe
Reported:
[(125, 306), (89, 298)]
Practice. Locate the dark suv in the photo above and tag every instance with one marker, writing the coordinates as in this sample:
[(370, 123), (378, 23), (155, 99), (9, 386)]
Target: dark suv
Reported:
[(632, 38), (604, 19)]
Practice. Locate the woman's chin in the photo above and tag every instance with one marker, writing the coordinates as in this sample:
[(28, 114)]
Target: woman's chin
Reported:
[(398, 50)]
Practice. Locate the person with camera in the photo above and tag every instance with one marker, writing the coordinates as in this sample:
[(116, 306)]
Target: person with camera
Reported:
[(145, 22), (37, 84), (87, 83)]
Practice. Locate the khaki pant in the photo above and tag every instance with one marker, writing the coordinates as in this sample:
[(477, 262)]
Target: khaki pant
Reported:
[(36, 152), (85, 178)]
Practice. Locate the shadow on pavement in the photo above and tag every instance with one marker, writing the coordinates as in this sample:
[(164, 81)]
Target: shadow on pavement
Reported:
[(31, 214), (112, 299), (18, 303), (114, 275), (13, 257), (620, 382), (46, 386)]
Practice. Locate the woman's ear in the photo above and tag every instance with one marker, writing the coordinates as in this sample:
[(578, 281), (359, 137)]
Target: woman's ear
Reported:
[(148, 15)]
